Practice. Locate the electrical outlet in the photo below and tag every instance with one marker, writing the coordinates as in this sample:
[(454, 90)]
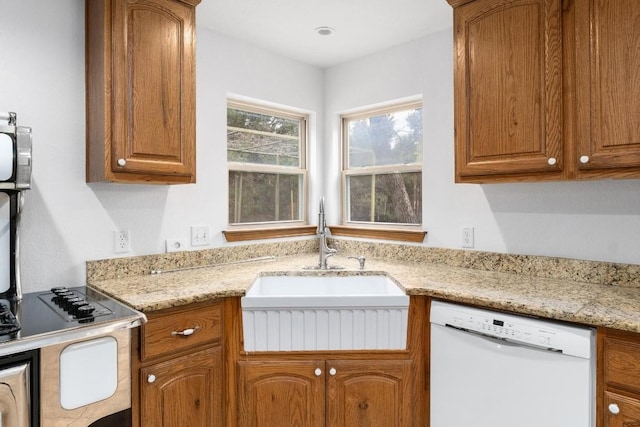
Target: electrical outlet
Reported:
[(466, 240), (200, 235), (176, 245), (122, 241)]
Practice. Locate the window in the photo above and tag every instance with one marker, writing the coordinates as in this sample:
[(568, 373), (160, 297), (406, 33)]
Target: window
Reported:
[(267, 165), (382, 171)]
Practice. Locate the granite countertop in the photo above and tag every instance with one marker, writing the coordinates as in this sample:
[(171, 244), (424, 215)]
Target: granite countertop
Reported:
[(557, 298)]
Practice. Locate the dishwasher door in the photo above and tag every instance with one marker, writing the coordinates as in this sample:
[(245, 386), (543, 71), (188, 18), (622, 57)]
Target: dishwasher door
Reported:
[(486, 382)]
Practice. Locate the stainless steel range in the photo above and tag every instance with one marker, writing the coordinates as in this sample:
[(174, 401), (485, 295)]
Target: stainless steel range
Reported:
[(65, 352)]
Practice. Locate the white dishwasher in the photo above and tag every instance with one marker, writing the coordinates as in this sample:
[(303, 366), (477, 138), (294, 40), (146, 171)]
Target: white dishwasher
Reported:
[(491, 369)]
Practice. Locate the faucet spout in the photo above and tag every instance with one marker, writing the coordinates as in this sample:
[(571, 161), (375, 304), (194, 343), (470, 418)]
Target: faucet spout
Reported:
[(325, 251)]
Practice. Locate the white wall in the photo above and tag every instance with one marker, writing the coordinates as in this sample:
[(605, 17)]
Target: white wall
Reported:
[(585, 220), (67, 221)]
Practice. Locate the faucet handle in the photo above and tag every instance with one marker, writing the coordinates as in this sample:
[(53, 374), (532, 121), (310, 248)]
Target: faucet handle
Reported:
[(361, 259)]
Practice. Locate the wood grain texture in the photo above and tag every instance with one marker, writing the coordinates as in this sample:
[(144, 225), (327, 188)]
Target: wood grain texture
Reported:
[(618, 378), (158, 337), (186, 391), (140, 58), (268, 233), (508, 88), (415, 236), (369, 393), (51, 412), (283, 393), (608, 85)]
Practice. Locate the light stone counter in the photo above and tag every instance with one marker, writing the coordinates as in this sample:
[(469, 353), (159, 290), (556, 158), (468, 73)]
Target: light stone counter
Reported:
[(592, 293)]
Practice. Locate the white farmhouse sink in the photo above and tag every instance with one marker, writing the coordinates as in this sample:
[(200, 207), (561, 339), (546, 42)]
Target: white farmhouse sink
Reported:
[(291, 313)]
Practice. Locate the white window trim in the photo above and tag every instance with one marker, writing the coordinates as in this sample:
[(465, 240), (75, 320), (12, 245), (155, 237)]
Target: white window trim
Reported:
[(379, 170), (303, 169)]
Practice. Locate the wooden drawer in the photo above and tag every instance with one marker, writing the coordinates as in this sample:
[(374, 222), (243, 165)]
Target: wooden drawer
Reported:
[(621, 411), (161, 334), (621, 361)]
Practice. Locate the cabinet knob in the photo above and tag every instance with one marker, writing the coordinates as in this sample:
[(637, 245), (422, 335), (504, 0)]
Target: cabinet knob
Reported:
[(552, 161), (318, 372), (332, 371), (584, 159), (122, 162), (151, 378), (614, 408)]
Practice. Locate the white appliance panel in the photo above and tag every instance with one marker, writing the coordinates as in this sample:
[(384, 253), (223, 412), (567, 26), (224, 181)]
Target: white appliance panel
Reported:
[(486, 382)]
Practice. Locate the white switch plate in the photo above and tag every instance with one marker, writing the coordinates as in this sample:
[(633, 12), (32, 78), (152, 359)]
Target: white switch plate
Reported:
[(200, 235), (176, 245)]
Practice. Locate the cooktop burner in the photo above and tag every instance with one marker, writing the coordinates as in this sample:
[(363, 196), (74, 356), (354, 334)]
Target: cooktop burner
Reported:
[(8, 322)]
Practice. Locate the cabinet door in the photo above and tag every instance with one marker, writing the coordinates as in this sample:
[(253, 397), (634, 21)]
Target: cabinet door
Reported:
[(281, 394), (608, 84), (153, 87), (621, 411), (508, 88), (186, 391), (371, 393)]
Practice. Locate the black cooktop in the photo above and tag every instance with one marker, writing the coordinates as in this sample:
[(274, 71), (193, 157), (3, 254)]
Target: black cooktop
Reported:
[(47, 313)]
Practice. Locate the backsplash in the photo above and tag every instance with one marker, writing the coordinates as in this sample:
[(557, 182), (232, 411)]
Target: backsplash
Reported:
[(606, 273)]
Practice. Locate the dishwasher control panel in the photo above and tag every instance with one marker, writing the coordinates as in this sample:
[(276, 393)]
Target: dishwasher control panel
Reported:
[(548, 334)]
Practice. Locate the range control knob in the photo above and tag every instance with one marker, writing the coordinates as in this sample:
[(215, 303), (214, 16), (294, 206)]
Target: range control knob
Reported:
[(85, 311)]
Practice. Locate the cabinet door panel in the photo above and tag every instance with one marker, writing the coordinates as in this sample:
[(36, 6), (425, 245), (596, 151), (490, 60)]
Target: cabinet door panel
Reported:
[(281, 394), (368, 393), (608, 83), (628, 411), (508, 87), (153, 87), (183, 391)]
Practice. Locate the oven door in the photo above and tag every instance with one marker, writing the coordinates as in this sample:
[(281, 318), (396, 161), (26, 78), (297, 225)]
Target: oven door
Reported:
[(87, 382)]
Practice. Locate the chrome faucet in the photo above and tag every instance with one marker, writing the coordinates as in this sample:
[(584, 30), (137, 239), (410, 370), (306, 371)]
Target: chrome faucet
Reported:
[(325, 251)]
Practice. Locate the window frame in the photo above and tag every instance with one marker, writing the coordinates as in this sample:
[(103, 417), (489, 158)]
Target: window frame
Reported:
[(391, 229), (258, 230)]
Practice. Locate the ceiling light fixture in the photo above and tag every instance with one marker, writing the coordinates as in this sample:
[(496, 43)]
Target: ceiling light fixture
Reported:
[(324, 31)]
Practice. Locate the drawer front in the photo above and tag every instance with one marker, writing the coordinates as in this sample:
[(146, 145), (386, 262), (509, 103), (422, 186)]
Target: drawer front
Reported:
[(621, 411), (179, 330), (622, 363)]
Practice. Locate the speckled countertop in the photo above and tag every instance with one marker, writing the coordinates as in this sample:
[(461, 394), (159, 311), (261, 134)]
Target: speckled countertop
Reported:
[(592, 293)]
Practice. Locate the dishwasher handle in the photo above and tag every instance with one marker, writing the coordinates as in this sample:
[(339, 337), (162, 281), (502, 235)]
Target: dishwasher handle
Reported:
[(504, 341)]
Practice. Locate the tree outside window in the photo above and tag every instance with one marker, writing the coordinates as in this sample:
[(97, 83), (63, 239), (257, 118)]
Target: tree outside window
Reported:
[(267, 165), (382, 171)]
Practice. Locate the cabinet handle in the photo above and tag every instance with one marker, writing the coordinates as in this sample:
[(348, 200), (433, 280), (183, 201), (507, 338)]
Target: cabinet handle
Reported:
[(318, 372), (332, 371), (122, 162), (584, 159), (151, 378), (186, 332), (614, 408), (552, 161)]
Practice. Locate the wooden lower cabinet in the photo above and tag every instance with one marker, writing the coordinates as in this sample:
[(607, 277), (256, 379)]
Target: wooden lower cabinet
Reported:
[(621, 411), (178, 368), (618, 381), (337, 393), (185, 391)]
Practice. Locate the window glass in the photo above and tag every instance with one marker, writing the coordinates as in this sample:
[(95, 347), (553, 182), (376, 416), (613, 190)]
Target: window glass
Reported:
[(267, 166), (383, 166)]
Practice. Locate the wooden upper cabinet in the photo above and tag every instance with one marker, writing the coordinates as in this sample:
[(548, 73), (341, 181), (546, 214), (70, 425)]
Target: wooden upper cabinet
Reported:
[(508, 85), (140, 58), (608, 87), (546, 89)]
